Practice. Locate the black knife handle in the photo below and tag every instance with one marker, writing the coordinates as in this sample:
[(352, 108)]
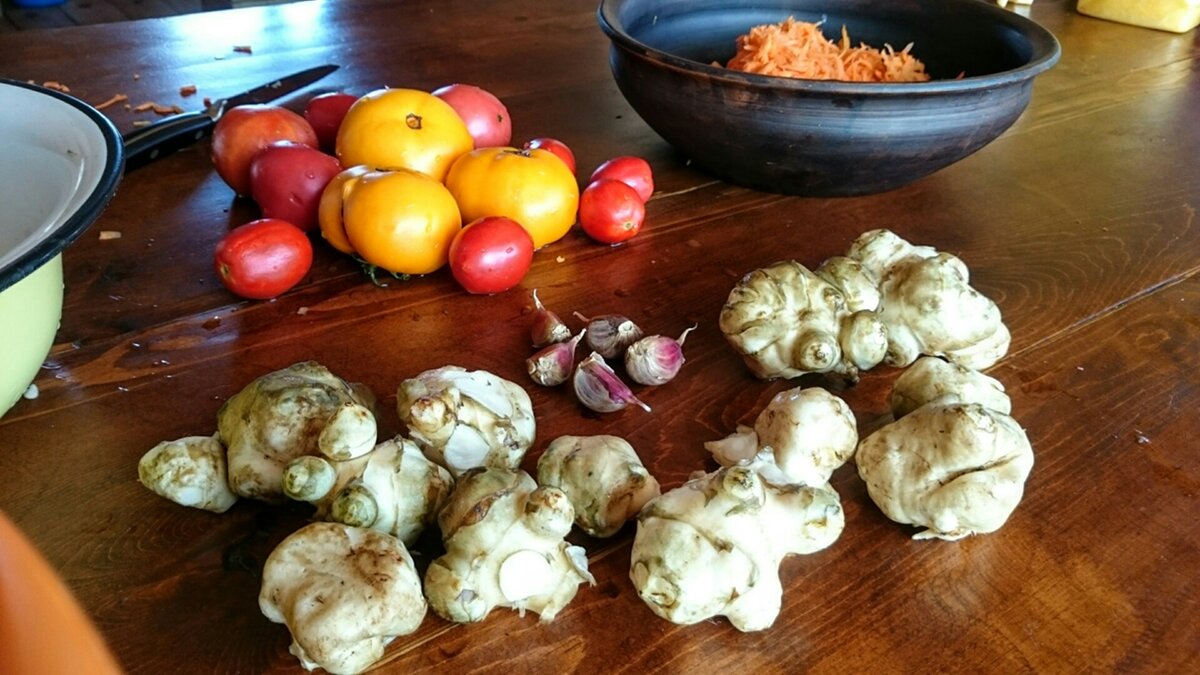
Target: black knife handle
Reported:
[(177, 132)]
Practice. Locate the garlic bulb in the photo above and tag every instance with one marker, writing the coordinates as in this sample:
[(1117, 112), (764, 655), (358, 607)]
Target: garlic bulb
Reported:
[(598, 387), (655, 359)]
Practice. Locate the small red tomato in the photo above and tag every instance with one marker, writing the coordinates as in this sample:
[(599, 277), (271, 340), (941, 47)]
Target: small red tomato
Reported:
[(633, 171), (263, 258), (325, 113), (491, 255), (555, 146), (286, 181), (485, 115), (611, 211)]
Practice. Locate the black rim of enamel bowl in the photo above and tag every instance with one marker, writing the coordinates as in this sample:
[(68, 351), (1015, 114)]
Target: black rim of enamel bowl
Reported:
[(1045, 53), (91, 207)]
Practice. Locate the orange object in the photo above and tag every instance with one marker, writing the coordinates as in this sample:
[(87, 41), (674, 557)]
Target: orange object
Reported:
[(333, 200), (403, 129), (533, 187), (42, 629), (401, 221), (799, 49)]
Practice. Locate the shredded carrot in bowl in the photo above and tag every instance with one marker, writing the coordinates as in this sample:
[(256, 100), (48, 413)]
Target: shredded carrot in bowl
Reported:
[(799, 49)]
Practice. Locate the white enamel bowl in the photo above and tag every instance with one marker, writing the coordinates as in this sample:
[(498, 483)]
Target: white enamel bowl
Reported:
[(60, 164)]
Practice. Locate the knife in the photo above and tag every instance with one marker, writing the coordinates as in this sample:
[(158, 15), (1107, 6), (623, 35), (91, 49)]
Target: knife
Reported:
[(147, 144)]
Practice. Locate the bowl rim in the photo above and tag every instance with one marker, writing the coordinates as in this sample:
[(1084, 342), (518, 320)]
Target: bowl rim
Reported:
[(1046, 53), (90, 208)]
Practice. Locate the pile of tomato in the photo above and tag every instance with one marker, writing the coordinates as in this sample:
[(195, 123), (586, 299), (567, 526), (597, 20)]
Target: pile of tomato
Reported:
[(408, 182)]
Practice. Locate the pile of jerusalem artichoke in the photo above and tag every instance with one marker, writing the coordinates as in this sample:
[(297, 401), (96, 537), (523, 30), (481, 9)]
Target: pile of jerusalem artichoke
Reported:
[(953, 462)]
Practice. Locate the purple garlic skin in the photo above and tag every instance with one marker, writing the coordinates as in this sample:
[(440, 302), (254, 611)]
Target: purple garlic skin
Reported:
[(599, 389), (551, 366), (547, 328), (656, 359)]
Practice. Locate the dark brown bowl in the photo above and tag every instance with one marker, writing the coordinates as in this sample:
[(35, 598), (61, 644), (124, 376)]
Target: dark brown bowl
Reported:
[(825, 138)]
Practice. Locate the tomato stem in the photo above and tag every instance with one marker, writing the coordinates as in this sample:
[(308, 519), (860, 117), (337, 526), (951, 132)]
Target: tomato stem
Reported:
[(372, 272), (413, 121)]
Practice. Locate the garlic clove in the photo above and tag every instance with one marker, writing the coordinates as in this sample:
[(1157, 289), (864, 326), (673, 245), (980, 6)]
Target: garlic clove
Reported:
[(547, 328), (656, 359), (551, 366), (610, 334), (599, 389)]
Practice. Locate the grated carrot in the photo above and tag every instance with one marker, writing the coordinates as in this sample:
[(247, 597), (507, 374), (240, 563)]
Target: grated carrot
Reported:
[(799, 49)]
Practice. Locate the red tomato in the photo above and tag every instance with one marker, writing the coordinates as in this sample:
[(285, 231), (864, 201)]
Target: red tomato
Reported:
[(611, 211), (325, 113), (485, 116), (263, 258), (555, 146), (490, 255), (286, 180), (244, 130), (633, 171)]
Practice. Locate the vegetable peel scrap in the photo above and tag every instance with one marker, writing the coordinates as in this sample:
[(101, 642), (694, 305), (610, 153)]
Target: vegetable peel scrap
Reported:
[(798, 49)]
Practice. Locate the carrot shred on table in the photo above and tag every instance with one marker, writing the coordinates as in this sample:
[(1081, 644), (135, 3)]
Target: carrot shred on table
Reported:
[(799, 49), (115, 99)]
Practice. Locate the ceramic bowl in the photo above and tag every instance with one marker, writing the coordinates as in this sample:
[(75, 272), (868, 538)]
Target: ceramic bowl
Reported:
[(825, 138), (61, 163)]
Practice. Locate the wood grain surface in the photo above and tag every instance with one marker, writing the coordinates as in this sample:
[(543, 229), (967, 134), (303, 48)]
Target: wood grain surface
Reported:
[(1080, 221)]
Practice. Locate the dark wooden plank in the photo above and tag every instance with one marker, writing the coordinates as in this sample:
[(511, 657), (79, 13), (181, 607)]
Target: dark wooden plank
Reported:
[(93, 11), (147, 9)]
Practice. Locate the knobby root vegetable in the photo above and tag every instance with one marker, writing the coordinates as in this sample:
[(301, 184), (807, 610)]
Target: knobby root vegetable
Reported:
[(301, 410), (953, 465), (886, 300), (504, 548), (786, 321), (928, 305), (805, 433), (393, 489), (930, 378), (344, 594), (713, 546), (189, 471), (603, 478), (465, 419)]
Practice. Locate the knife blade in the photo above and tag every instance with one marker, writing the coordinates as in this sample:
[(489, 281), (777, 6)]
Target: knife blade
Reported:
[(147, 144)]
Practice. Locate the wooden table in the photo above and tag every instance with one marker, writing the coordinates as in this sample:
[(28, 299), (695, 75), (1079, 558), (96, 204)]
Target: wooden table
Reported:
[(1080, 222)]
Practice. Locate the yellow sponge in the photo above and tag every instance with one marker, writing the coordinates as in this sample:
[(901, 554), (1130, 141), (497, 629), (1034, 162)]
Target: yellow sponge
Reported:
[(1177, 16)]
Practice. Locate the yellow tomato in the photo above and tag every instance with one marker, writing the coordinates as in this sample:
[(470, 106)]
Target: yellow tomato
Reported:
[(403, 129), (533, 187), (402, 221), (329, 209)]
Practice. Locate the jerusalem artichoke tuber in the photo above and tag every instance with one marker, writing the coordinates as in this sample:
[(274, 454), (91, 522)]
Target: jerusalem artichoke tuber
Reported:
[(393, 489), (603, 478), (954, 462), (465, 419), (504, 548), (806, 434), (344, 594), (190, 471), (713, 546), (300, 410), (885, 300)]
